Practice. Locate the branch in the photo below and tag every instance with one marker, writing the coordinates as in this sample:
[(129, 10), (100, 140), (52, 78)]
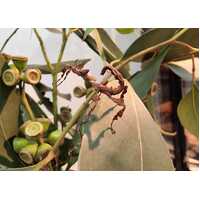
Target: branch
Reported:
[(7, 40), (43, 49)]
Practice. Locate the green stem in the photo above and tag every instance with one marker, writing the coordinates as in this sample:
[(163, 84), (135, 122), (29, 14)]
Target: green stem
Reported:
[(27, 106), (54, 76), (55, 97), (43, 49), (153, 48)]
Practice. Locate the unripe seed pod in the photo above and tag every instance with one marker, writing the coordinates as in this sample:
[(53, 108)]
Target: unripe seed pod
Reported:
[(32, 76), (19, 143), (45, 122), (22, 127), (28, 153), (20, 62), (11, 76), (32, 129), (79, 91), (53, 137), (42, 152)]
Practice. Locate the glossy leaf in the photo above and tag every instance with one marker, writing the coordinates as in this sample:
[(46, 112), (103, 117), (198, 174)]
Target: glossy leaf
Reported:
[(45, 69), (188, 111), (113, 49), (136, 145), (149, 39), (125, 30), (143, 80), (178, 52)]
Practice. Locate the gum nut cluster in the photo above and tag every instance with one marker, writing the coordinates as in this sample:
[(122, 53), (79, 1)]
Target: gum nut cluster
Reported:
[(34, 141), (18, 71)]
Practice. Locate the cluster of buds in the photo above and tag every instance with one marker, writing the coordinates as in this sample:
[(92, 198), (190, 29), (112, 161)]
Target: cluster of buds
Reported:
[(18, 72), (34, 141)]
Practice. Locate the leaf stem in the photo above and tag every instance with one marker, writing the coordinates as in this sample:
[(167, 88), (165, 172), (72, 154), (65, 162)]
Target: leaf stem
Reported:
[(27, 106), (153, 48), (43, 49), (55, 73)]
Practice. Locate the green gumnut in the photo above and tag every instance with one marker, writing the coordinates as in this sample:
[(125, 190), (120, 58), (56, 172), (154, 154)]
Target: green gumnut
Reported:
[(125, 30), (28, 153), (45, 122), (43, 150), (20, 62), (33, 129), (11, 76), (19, 143), (53, 137)]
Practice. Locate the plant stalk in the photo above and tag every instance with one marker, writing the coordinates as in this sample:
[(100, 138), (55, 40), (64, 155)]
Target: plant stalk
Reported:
[(27, 106)]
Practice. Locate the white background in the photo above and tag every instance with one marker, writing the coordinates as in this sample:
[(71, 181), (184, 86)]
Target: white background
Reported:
[(100, 185)]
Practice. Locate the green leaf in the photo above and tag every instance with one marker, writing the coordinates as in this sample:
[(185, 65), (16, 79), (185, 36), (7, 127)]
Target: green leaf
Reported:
[(9, 125), (143, 80), (92, 44), (136, 145), (99, 43), (147, 40), (181, 72), (45, 69), (113, 49), (109, 44), (188, 111), (87, 32), (125, 30), (178, 52)]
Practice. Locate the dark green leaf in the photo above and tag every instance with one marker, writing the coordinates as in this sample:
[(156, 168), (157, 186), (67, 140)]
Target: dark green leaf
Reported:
[(149, 39), (125, 30), (178, 52), (111, 47), (143, 80), (188, 111)]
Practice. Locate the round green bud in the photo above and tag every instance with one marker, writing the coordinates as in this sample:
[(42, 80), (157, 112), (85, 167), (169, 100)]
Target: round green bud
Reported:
[(42, 152), (53, 137), (32, 76), (11, 76), (79, 91), (19, 143), (33, 129), (125, 30), (20, 62), (28, 153)]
